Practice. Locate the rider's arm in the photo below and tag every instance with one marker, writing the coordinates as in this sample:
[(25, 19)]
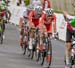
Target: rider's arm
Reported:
[(20, 22), (9, 15), (42, 18), (41, 21), (30, 16), (67, 17)]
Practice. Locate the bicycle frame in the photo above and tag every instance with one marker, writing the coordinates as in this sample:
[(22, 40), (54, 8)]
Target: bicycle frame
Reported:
[(45, 50)]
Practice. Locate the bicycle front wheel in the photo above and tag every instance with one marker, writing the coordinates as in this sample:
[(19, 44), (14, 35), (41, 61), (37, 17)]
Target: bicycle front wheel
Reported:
[(49, 54)]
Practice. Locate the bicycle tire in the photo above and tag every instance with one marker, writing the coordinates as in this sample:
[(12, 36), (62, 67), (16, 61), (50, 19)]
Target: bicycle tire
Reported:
[(49, 54), (37, 51), (1, 38), (37, 54), (40, 58), (43, 57), (32, 54), (24, 50)]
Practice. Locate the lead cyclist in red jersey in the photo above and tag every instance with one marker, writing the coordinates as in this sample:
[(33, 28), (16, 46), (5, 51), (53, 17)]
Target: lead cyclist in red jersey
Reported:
[(48, 20), (34, 16)]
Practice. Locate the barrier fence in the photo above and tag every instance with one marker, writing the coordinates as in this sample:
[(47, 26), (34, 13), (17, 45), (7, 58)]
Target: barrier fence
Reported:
[(60, 22)]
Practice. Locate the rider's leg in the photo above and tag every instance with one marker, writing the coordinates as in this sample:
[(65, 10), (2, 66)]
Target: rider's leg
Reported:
[(30, 44), (21, 38), (68, 50), (68, 46)]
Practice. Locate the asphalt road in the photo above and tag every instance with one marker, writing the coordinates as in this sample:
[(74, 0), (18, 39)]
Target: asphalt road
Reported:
[(11, 53)]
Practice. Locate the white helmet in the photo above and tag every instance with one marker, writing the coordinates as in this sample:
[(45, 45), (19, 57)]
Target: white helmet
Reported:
[(38, 9), (49, 11)]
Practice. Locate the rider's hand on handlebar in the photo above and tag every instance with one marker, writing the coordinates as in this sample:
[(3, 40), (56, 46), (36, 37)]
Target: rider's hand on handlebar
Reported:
[(55, 35)]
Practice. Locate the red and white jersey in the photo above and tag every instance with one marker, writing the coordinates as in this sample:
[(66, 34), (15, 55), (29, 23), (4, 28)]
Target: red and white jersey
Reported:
[(23, 12), (34, 18), (48, 23)]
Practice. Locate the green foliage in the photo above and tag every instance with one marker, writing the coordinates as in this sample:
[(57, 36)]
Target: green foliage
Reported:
[(57, 11), (27, 2)]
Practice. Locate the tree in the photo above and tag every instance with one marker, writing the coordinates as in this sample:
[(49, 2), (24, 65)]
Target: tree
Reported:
[(27, 2)]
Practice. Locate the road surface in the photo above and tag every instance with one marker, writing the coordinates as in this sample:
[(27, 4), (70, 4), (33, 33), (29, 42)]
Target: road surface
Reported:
[(11, 53)]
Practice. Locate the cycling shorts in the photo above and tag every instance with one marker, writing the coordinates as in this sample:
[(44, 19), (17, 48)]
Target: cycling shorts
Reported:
[(69, 34), (48, 27)]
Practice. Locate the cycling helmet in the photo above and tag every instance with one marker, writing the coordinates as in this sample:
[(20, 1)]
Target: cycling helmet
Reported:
[(49, 11), (2, 3), (38, 9)]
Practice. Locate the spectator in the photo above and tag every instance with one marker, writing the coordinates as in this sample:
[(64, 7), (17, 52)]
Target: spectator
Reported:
[(46, 4)]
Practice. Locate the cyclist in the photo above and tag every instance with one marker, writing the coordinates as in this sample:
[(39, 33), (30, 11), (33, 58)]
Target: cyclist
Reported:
[(4, 10), (69, 33), (48, 29), (46, 4), (48, 20), (34, 16), (23, 22)]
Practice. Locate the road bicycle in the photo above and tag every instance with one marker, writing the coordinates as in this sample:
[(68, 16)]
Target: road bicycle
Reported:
[(33, 42), (25, 40), (45, 50)]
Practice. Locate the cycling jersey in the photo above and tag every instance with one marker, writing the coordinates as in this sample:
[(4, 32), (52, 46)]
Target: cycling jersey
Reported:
[(46, 4), (23, 13), (3, 12), (70, 23), (34, 18), (47, 23)]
